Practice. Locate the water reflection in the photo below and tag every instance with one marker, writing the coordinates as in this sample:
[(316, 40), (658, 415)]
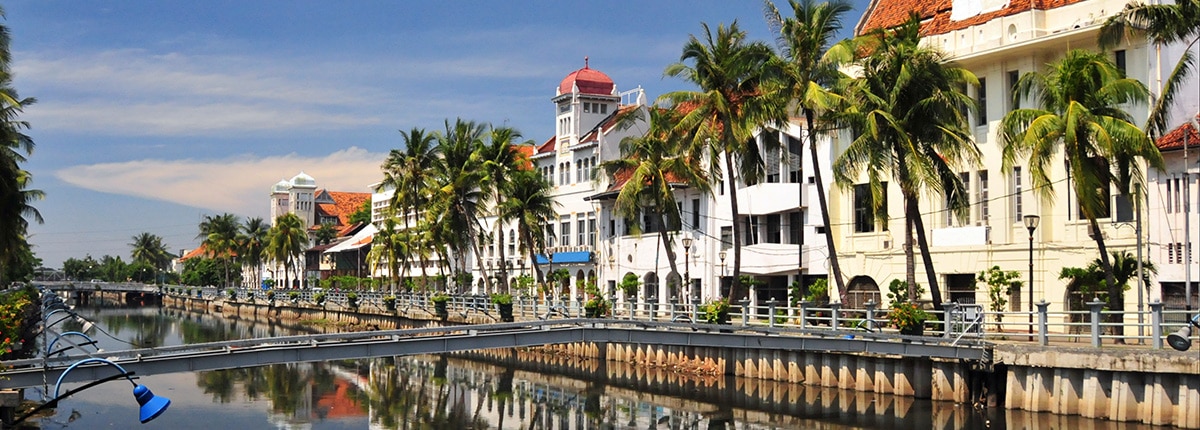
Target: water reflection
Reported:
[(520, 392)]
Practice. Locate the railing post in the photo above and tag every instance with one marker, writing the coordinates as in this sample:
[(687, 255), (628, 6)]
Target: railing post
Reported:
[(771, 303), (871, 305), (632, 306), (652, 301), (1156, 324), (804, 313), (745, 302), (1094, 307), (697, 316), (1043, 324), (674, 301), (833, 321), (948, 310)]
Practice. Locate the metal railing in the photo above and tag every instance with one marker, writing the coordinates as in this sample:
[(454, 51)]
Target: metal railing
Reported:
[(1095, 326)]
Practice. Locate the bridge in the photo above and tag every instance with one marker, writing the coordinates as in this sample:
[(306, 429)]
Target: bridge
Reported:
[(323, 347), (124, 287)]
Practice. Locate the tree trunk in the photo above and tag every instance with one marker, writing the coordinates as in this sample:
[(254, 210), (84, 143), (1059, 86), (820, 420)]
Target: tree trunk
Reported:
[(910, 268), (667, 245), (935, 290), (835, 268), (503, 260), (735, 286), (1116, 297)]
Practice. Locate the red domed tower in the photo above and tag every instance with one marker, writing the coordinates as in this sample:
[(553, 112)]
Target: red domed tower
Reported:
[(583, 99)]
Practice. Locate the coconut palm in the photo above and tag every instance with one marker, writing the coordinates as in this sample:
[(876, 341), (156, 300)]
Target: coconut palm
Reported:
[(1164, 24), (218, 234), (409, 174), (384, 249), (906, 110), (149, 249), (528, 204), (808, 75), (252, 242), (286, 241), (499, 160), (1079, 114), (732, 103), (458, 200), (16, 198), (652, 167)]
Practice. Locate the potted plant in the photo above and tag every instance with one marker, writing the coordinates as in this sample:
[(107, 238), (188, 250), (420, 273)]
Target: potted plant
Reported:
[(596, 307), (716, 311), (441, 302), (909, 318), (294, 296), (352, 299), (389, 302), (629, 286), (271, 297), (232, 294), (319, 298), (504, 304)]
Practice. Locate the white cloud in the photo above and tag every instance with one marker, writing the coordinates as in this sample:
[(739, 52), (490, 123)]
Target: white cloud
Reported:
[(239, 184)]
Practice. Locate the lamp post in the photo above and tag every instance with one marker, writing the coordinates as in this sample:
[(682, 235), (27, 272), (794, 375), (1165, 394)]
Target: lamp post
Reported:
[(687, 271), (1031, 223), (721, 284), (151, 406)]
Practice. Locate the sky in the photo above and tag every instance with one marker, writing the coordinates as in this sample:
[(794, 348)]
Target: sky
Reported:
[(151, 114)]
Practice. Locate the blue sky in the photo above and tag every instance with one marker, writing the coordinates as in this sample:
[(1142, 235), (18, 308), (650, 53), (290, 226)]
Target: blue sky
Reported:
[(152, 114)]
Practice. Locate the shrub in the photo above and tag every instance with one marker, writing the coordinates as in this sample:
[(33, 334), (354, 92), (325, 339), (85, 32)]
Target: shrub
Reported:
[(502, 298), (716, 311)]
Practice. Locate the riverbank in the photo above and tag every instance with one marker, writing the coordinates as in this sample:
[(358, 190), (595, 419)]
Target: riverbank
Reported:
[(1155, 387)]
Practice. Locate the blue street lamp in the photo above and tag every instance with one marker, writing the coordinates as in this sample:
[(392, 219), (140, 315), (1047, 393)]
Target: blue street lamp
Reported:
[(50, 352), (151, 406)]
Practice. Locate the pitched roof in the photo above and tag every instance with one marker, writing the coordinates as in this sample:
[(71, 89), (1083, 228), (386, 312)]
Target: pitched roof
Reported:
[(935, 14), (1173, 140), (198, 252), (344, 204)]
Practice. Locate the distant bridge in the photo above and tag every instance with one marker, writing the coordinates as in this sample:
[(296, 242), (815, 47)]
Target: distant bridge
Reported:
[(124, 287), (339, 346)]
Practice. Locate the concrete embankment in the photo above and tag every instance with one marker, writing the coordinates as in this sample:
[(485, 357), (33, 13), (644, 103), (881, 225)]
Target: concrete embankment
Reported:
[(1120, 384), (1160, 387)]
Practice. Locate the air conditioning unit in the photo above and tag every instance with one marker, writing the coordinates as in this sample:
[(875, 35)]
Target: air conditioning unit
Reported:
[(887, 244)]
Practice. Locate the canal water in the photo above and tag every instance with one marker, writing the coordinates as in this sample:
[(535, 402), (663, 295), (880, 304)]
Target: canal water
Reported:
[(440, 392)]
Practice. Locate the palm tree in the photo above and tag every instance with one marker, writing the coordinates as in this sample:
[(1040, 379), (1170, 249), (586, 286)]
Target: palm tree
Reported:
[(457, 201), (1164, 24), (1079, 115), (15, 197), (385, 249), (218, 233), (499, 160), (907, 114), (808, 75), (528, 204), (252, 242), (732, 103), (286, 241), (652, 167), (149, 249), (409, 174)]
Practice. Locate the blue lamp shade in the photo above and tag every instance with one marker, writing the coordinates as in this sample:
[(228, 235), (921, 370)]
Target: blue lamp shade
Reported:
[(152, 406)]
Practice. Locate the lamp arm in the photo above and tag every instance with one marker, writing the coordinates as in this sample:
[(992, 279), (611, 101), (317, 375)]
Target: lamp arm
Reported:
[(52, 403), (124, 372), (1195, 321)]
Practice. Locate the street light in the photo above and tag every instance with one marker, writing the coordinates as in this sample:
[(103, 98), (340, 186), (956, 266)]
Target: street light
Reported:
[(687, 271), (151, 406), (1031, 223)]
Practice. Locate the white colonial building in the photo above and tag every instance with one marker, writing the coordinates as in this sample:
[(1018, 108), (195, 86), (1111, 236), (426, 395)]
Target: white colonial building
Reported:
[(999, 42)]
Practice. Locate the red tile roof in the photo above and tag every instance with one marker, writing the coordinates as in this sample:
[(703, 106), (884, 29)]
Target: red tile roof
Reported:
[(547, 146), (198, 252), (344, 204), (1174, 139), (589, 81), (935, 14)]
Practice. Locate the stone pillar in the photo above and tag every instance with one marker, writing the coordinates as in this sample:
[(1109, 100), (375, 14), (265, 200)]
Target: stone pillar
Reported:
[(1127, 390), (885, 375), (1068, 389), (1015, 391), (1096, 394), (846, 371)]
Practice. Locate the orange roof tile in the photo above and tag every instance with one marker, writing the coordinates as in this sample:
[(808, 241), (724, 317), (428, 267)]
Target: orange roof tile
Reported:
[(344, 204), (1173, 140), (935, 14)]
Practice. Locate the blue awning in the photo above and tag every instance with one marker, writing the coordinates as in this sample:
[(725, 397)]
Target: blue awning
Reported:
[(567, 257)]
